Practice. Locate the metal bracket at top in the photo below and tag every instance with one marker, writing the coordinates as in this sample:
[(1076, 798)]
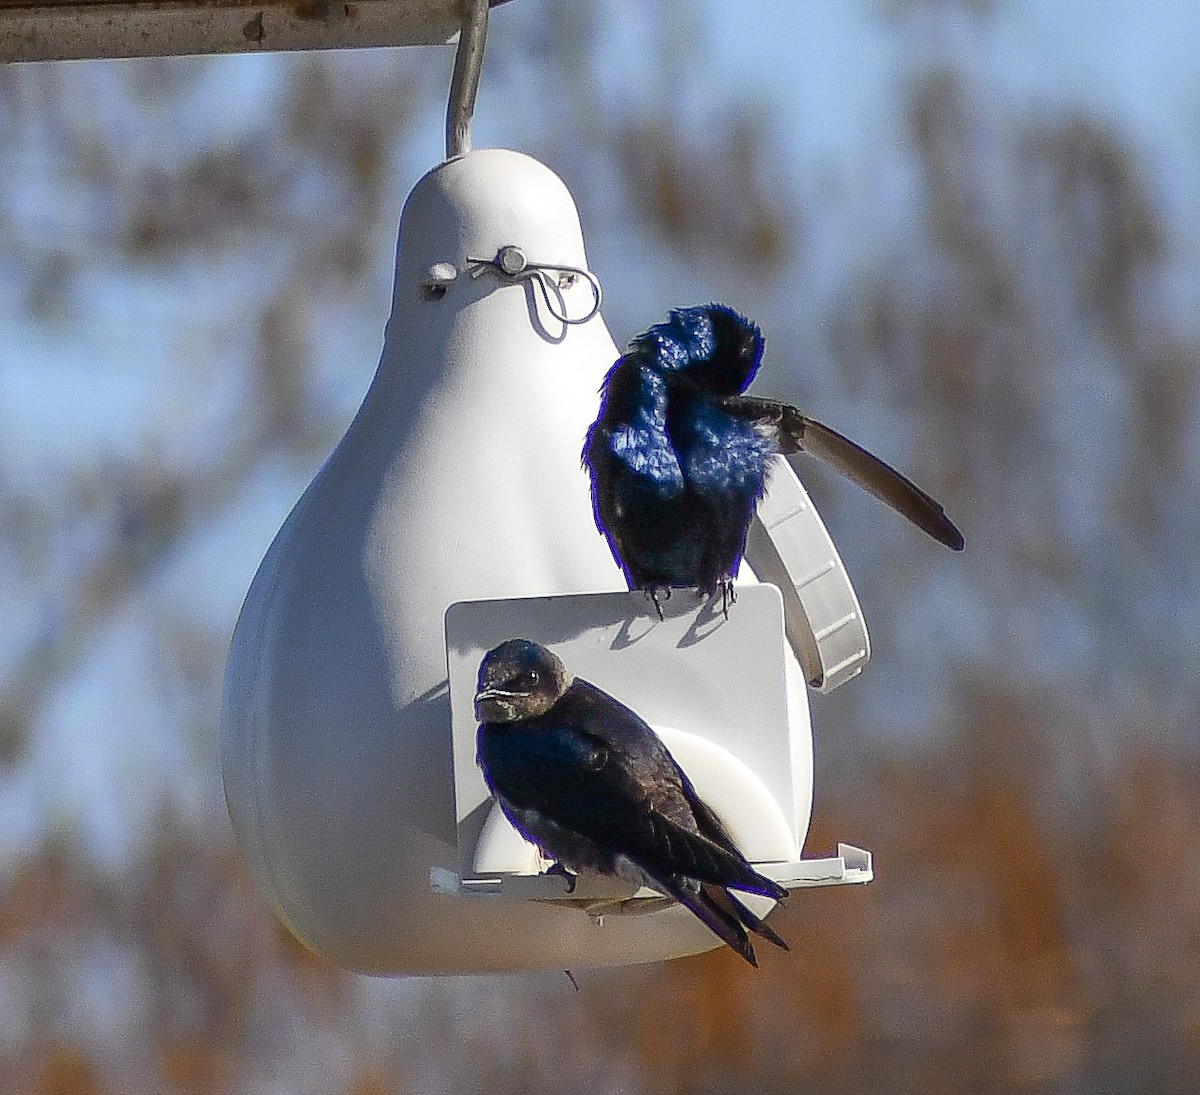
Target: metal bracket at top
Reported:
[(464, 83), (60, 30)]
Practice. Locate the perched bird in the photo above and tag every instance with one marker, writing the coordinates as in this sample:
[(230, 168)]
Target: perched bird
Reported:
[(586, 780), (679, 457)]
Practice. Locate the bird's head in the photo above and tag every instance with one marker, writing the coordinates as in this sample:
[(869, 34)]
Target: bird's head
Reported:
[(519, 679), (733, 348), (717, 348)]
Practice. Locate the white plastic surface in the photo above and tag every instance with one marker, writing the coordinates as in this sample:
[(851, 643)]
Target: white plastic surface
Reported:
[(722, 683), (458, 479), (789, 546), (603, 895), (729, 677)]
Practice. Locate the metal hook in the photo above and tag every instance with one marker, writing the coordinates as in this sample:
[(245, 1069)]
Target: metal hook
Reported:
[(511, 262), (464, 83)]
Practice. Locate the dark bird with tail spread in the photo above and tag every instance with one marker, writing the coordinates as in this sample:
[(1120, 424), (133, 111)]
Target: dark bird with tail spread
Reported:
[(679, 457), (585, 779)]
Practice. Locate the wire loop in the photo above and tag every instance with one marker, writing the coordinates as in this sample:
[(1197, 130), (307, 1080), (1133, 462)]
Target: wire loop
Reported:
[(512, 263)]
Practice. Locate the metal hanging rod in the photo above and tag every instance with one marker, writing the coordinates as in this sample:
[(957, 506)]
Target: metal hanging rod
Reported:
[(464, 84)]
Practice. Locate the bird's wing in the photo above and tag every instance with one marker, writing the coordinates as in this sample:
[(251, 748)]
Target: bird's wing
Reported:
[(754, 923), (628, 444), (594, 767), (721, 455), (796, 432), (716, 915), (706, 820), (633, 465), (722, 913)]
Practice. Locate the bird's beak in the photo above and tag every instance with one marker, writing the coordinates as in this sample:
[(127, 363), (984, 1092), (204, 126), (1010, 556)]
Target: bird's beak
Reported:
[(490, 701), (494, 694)]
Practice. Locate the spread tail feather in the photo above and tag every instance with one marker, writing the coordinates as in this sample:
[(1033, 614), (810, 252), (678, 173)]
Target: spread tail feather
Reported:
[(700, 857), (722, 922), (757, 925), (722, 913)]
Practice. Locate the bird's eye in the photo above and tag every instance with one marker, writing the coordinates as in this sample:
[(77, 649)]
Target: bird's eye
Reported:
[(524, 682)]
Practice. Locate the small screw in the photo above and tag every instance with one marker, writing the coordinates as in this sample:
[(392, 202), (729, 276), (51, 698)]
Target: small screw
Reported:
[(512, 260)]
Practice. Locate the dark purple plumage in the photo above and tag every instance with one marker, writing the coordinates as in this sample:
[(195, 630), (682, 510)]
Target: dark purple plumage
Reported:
[(679, 457), (584, 778)]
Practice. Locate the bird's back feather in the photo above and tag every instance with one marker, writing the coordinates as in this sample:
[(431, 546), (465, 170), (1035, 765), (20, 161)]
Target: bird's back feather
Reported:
[(600, 772), (591, 784)]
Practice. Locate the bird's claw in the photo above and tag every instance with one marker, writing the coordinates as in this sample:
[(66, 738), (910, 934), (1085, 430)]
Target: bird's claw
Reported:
[(557, 868), (728, 596), (654, 593)]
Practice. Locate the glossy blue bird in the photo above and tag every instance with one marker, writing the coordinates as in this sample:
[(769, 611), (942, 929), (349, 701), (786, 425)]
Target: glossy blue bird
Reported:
[(585, 779), (679, 457)]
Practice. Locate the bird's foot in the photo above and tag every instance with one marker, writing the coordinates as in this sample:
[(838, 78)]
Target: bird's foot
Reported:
[(728, 596), (656, 592), (558, 869)]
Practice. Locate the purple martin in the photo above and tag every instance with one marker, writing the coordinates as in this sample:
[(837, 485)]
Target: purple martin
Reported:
[(679, 456), (585, 779)]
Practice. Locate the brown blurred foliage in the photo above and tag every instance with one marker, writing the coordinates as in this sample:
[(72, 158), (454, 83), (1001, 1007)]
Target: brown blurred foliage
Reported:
[(687, 186)]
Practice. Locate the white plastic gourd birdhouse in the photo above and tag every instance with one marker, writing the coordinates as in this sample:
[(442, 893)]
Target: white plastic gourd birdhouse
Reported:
[(455, 514)]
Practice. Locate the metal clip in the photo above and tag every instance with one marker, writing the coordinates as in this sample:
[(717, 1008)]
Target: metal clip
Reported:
[(512, 263)]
